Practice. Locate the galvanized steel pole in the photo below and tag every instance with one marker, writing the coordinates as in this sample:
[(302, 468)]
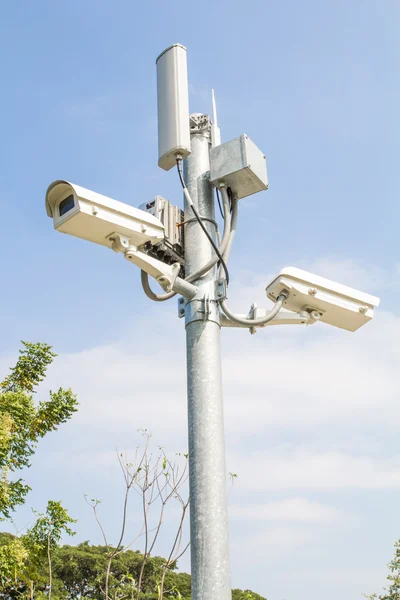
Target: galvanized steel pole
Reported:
[(208, 496)]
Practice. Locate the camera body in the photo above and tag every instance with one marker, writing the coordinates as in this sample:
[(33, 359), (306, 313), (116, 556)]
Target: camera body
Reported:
[(337, 304), (85, 214)]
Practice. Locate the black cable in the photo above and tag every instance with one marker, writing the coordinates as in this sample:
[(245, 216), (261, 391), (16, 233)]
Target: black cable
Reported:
[(219, 204), (230, 195), (217, 252)]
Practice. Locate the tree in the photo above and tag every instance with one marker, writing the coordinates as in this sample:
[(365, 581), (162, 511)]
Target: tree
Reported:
[(79, 572), (34, 565), (46, 534), (23, 422), (393, 593), (26, 561), (245, 595), (158, 483), (13, 555)]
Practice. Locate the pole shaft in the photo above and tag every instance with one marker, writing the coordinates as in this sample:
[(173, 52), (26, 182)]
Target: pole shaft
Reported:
[(208, 497)]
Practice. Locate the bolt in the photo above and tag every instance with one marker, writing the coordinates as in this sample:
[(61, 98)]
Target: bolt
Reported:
[(363, 309), (315, 315), (181, 300), (312, 291), (219, 294), (182, 311)]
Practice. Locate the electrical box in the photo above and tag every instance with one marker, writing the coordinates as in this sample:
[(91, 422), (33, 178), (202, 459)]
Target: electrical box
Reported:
[(240, 165), (171, 248), (173, 106)]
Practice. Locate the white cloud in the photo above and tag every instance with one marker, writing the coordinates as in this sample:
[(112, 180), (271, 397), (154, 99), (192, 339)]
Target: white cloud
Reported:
[(349, 272), (297, 379), (283, 379), (313, 379), (359, 578), (272, 542), (290, 509), (305, 410), (299, 469), (249, 286)]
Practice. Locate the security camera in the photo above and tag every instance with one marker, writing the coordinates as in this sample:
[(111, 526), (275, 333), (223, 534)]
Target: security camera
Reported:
[(99, 219), (336, 304)]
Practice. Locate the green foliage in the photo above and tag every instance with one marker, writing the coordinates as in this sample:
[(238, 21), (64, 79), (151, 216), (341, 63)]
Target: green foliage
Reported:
[(393, 593), (178, 582), (25, 561), (13, 555), (245, 595), (79, 572), (23, 423), (30, 369), (82, 568), (20, 568), (49, 527)]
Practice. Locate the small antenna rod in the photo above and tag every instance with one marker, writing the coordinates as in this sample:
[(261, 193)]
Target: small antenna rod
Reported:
[(215, 131)]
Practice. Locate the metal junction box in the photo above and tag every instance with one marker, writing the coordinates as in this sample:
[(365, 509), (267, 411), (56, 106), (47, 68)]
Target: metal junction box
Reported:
[(171, 249), (240, 165)]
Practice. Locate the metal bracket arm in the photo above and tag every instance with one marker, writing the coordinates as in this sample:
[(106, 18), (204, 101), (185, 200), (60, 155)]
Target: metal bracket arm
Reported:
[(165, 275), (282, 318), (204, 306)]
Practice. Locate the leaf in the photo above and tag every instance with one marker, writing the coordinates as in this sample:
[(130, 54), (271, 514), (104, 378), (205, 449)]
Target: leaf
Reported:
[(22, 423)]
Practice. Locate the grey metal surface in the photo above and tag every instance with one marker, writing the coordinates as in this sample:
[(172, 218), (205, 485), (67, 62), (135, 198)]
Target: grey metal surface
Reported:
[(171, 247), (204, 309), (240, 165), (208, 508), (282, 318), (250, 320)]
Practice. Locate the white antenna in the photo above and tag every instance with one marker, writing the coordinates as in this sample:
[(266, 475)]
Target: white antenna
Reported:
[(173, 106), (215, 131)]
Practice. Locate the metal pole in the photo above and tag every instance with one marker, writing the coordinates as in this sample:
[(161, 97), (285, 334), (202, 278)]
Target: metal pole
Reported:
[(208, 496)]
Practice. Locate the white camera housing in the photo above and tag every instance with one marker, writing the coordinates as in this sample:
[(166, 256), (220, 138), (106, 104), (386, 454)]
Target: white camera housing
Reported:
[(337, 304), (93, 217)]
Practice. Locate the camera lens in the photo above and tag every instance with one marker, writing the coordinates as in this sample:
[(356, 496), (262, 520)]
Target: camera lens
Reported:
[(66, 205)]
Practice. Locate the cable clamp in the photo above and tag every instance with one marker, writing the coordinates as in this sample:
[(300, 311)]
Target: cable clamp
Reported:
[(206, 310), (220, 290), (194, 220), (252, 314), (205, 305)]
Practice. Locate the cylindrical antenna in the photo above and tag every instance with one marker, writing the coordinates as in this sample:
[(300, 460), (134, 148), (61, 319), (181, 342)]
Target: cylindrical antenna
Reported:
[(173, 106)]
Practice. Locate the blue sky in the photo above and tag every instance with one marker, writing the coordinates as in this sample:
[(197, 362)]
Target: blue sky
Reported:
[(314, 512)]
